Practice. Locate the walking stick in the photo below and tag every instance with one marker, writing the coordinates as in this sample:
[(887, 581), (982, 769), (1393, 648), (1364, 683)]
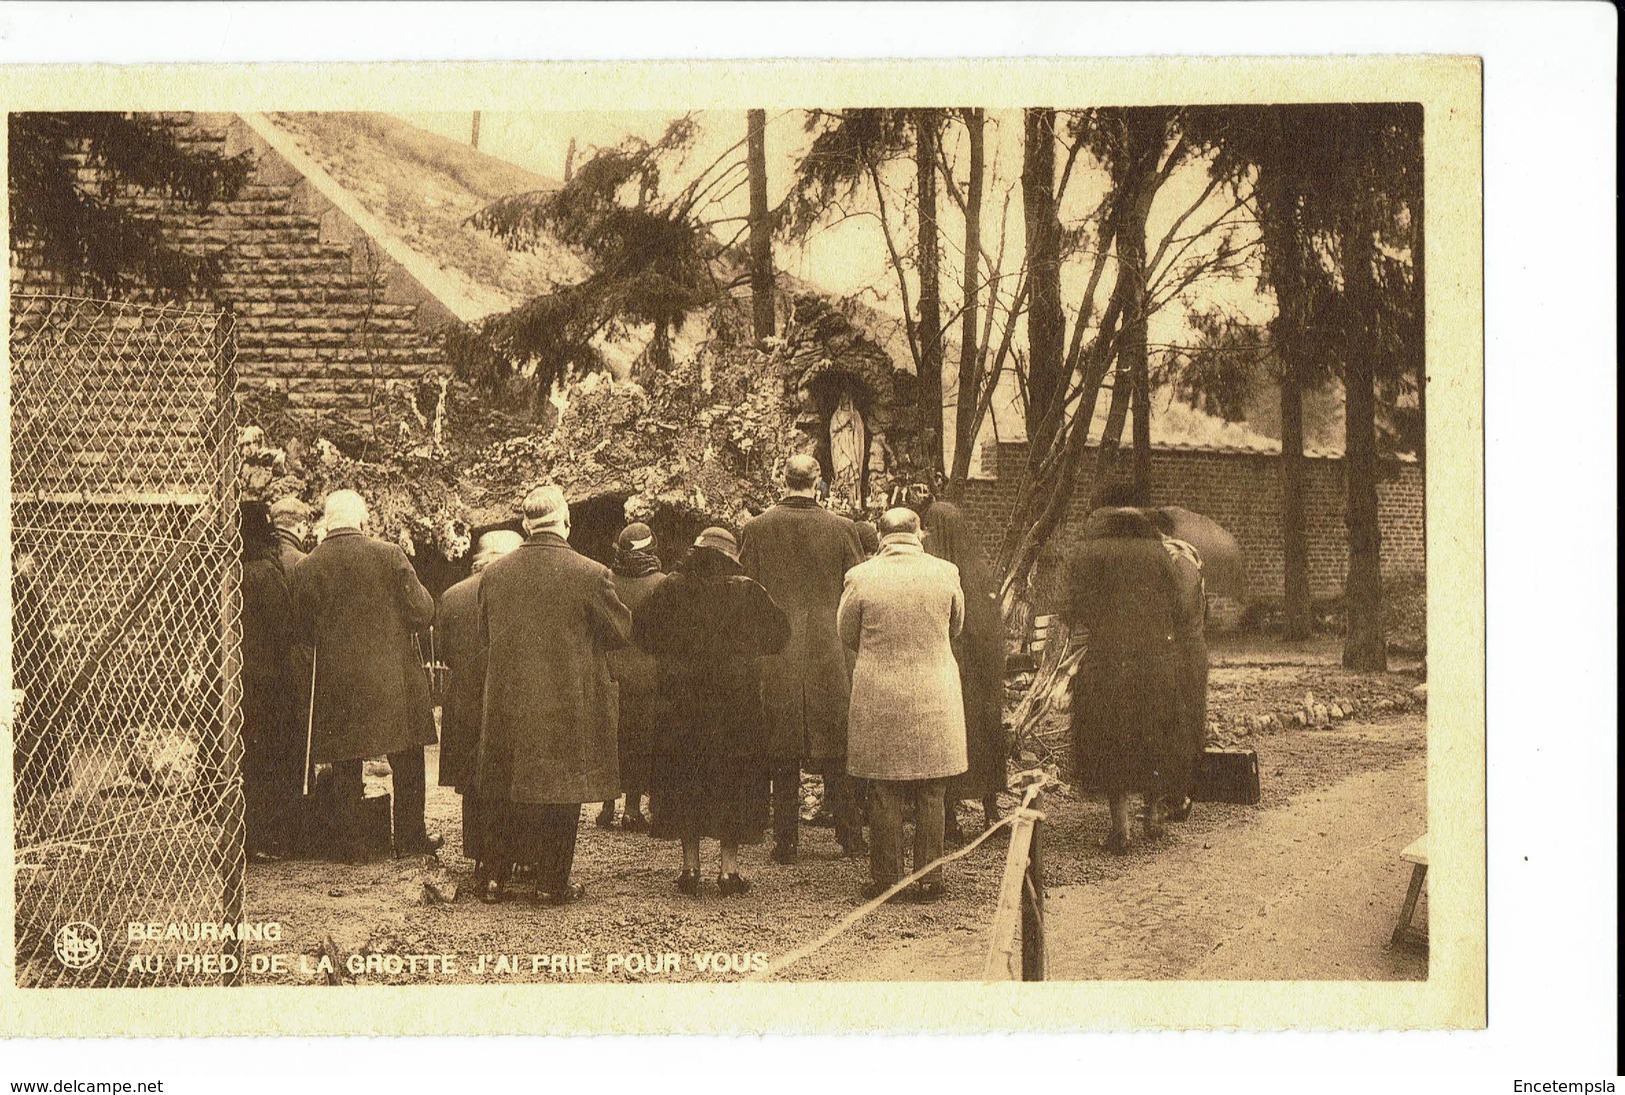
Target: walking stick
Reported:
[(310, 720)]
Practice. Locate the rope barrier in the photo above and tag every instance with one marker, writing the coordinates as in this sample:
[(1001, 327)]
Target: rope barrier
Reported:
[(1023, 813)]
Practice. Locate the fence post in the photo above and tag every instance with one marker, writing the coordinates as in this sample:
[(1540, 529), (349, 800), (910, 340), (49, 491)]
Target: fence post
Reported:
[(1033, 951), (231, 828)]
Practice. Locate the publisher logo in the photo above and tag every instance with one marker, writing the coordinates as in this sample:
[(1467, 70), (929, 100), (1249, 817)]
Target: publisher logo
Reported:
[(78, 945)]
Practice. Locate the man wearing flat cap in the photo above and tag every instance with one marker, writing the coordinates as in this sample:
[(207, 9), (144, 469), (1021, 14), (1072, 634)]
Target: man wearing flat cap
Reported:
[(457, 629), (548, 618), (800, 553), (292, 520), (357, 602)]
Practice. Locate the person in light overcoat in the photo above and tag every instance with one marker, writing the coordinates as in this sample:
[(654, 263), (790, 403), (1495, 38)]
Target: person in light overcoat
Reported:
[(548, 617), (902, 610), (357, 602)]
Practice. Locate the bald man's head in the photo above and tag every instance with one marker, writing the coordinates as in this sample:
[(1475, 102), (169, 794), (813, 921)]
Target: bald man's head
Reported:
[(898, 520), (801, 473), (344, 509)]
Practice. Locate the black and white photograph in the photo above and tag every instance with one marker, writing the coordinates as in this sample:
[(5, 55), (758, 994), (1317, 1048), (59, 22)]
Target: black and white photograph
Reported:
[(849, 543), (701, 545)]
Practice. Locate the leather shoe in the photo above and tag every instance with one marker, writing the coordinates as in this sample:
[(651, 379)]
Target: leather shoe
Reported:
[(784, 853), (423, 845), (491, 892), (689, 883), (927, 892), (730, 885), (573, 891)]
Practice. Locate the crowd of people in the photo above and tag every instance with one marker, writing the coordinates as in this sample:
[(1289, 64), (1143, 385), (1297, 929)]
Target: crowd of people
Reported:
[(870, 654)]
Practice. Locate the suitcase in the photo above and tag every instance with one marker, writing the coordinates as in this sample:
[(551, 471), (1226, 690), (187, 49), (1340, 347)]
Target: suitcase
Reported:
[(1227, 775)]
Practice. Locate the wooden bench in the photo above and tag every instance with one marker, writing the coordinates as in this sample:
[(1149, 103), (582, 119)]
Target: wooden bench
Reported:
[(1404, 933)]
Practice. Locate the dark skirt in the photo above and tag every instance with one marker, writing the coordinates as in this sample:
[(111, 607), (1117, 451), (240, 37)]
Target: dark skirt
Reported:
[(718, 797), (1193, 680), (1128, 724), (633, 735)]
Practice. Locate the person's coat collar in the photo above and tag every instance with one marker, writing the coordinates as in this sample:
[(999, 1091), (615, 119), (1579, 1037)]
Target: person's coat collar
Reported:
[(799, 501), (546, 539), (901, 543)]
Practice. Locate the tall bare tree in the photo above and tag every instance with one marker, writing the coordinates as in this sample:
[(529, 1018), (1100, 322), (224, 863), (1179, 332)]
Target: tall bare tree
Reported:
[(967, 422), (761, 225), (929, 370)]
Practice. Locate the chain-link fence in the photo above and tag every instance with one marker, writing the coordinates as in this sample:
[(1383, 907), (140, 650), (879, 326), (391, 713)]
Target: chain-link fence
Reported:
[(125, 643)]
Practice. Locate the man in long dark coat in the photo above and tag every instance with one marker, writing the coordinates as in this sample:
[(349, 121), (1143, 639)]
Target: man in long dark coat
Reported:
[(548, 617), (1127, 697), (800, 553), (291, 517), (979, 650), (357, 602), (273, 726), (457, 625), (1192, 635)]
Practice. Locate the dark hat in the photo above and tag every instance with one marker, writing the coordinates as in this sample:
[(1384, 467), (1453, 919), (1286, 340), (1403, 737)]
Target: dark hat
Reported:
[(635, 537), (719, 539)]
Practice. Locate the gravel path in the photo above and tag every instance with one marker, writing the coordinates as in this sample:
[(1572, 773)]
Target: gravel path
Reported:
[(400, 908)]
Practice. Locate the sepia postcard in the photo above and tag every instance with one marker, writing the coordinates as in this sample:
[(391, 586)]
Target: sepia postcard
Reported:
[(764, 547)]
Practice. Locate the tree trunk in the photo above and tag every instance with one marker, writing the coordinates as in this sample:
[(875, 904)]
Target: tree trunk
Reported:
[(1296, 623), (1046, 324), (970, 377), (660, 347), (1147, 132), (1364, 645), (1111, 438), (761, 231), (929, 382)]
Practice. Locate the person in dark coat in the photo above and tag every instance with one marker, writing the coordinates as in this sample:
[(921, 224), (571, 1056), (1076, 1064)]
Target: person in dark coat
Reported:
[(457, 625), (357, 603), (273, 737), (1123, 595), (800, 553), (979, 649), (1193, 657), (548, 617), (291, 517), (637, 572), (706, 627)]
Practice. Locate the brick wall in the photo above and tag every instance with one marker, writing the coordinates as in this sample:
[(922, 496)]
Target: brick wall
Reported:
[(313, 322), (1241, 491)]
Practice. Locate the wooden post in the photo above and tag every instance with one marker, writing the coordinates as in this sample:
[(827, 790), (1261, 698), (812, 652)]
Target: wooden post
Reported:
[(1033, 953)]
